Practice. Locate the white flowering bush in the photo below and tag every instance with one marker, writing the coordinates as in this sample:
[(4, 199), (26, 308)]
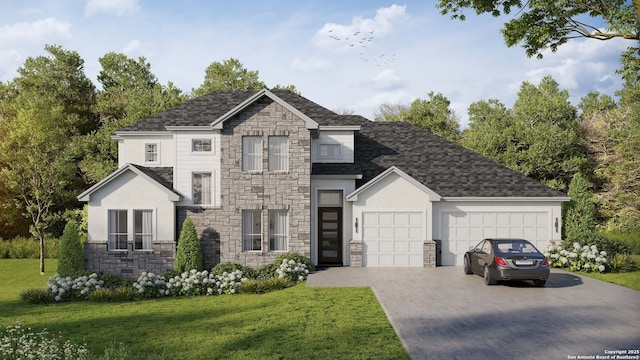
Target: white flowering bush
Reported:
[(150, 285), (576, 257), (292, 270), (16, 342), (196, 282), (68, 288)]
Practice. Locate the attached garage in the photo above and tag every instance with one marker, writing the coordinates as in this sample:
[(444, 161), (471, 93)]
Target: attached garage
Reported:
[(461, 230), (393, 238)]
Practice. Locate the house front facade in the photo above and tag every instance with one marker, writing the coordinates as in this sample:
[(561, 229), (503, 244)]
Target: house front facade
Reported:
[(266, 172)]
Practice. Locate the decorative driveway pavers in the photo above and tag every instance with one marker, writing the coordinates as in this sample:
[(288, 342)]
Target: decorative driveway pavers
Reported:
[(441, 313)]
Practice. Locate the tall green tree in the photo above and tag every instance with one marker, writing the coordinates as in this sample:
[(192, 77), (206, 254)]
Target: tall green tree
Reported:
[(189, 254), (229, 74), (433, 114), (71, 253), (580, 212), (542, 24), (490, 131)]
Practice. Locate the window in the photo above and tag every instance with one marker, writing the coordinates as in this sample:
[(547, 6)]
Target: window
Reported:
[(251, 230), (252, 153), (201, 145), (330, 198), (151, 152), (329, 151), (201, 182), (143, 225), (278, 153), (278, 224), (117, 230)]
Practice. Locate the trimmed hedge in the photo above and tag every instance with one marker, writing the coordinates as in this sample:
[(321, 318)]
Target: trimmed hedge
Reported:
[(28, 248)]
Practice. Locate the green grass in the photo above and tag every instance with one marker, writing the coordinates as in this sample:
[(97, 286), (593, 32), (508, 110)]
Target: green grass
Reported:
[(295, 323), (628, 279)]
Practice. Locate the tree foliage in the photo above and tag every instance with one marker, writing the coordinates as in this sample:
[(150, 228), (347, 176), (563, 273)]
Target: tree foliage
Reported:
[(580, 212), (228, 75), (189, 254), (433, 114), (71, 253), (542, 24)]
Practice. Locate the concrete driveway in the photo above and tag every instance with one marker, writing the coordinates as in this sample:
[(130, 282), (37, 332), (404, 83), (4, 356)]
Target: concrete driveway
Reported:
[(441, 313)]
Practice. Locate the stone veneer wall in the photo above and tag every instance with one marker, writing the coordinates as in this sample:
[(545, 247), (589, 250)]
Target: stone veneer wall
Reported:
[(431, 253), (129, 264), (220, 229)]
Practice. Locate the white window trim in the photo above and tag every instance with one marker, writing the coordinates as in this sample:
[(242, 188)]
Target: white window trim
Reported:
[(245, 234), (203, 152), (157, 161), (211, 188), (259, 154), (153, 229), (284, 155), (285, 234), (109, 233), (339, 156)]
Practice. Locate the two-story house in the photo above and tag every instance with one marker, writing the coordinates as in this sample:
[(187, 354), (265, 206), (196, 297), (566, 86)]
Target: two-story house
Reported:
[(269, 171)]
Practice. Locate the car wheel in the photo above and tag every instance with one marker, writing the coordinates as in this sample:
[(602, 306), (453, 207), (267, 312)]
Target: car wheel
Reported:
[(487, 276), (467, 266), (539, 283)]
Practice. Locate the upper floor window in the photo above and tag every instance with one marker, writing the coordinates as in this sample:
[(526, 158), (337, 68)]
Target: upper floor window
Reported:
[(143, 226), (117, 230), (278, 229), (251, 153), (151, 152), (329, 151), (201, 145), (251, 230), (201, 184), (278, 153)]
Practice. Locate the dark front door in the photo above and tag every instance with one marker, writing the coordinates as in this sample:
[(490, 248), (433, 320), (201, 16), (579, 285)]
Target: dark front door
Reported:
[(330, 236)]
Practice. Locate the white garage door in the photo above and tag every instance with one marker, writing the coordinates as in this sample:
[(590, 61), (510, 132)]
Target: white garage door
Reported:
[(462, 230), (393, 238)]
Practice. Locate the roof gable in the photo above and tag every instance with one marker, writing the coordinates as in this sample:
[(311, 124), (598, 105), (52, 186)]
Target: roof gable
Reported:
[(393, 170), (155, 178)]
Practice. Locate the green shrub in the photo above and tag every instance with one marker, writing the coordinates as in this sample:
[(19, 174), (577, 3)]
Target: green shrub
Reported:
[(610, 245), (189, 254), (36, 296), (622, 263), (579, 213), (28, 248), (268, 271), (124, 294), (71, 253), (114, 281), (101, 295), (297, 258), (629, 237), (253, 286), (4, 249), (229, 267), (275, 283)]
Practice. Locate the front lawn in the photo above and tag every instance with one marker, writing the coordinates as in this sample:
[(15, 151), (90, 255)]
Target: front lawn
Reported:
[(295, 323), (627, 279)]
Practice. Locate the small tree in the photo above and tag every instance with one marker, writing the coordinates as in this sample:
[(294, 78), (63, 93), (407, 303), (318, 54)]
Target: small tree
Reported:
[(580, 212), (189, 255), (71, 254)]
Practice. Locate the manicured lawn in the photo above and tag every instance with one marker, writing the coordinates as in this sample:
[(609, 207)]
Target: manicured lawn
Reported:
[(295, 323), (628, 279)]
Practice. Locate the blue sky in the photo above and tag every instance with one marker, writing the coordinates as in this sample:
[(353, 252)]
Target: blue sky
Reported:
[(409, 48)]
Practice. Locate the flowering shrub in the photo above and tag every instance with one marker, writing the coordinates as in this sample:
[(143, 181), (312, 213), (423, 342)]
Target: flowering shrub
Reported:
[(577, 258), (151, 285), (73, 288), (16, 342), (292, 270), (196, 282)]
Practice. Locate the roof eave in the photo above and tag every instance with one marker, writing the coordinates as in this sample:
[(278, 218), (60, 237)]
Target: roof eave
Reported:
[(506, 198)]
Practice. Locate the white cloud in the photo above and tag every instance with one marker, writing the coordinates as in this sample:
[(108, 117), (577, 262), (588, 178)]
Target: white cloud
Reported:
[(10, 59), (118, 7), (136, 48), (310, 64), (360, 32), (386, 80), (34, 32)]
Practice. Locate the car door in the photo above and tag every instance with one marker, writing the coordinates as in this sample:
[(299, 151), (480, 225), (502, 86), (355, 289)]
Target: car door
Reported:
[(476, 258)]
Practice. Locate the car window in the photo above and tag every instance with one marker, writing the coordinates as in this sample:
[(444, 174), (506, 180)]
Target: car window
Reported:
[(486, 248), (478, 247), (515, 247)]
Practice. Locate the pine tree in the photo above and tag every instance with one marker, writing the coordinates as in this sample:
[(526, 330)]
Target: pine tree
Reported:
[(580, 212), (71, 253), (189, 255)]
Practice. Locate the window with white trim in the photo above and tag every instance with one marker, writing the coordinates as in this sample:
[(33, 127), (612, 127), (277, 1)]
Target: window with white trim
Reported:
[(278, 230), (329, 151), (252, 153), (143, 229), (118, 233), (251, 230), (151, 152), (278, 153), (201, 145), (201, 187)]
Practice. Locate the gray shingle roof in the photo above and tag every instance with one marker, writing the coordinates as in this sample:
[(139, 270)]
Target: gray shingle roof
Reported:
[(163, 175), (445, 167)]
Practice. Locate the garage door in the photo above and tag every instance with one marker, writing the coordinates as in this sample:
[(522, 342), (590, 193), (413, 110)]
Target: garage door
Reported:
[(392, 238), (462, 230)]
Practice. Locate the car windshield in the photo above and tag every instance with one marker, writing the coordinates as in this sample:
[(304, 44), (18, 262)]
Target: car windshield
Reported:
[(515, 247)]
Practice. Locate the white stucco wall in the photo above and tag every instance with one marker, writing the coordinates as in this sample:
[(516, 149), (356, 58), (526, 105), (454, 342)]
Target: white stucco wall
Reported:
[(131, 192), (344, 138), (131, 150), (188, 162), (347, 186)]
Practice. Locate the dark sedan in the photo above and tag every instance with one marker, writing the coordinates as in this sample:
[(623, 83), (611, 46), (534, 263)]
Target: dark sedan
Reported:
[(507, 259)]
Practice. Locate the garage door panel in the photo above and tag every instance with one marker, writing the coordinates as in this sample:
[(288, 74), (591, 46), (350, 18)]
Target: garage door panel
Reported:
[(401, 247), (393, 238), (400, 219), (415, 233), (385, 219), (385, 233), (401, 233)]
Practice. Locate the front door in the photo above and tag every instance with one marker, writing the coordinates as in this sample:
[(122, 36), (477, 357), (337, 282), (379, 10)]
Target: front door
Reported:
[(330, 235)]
